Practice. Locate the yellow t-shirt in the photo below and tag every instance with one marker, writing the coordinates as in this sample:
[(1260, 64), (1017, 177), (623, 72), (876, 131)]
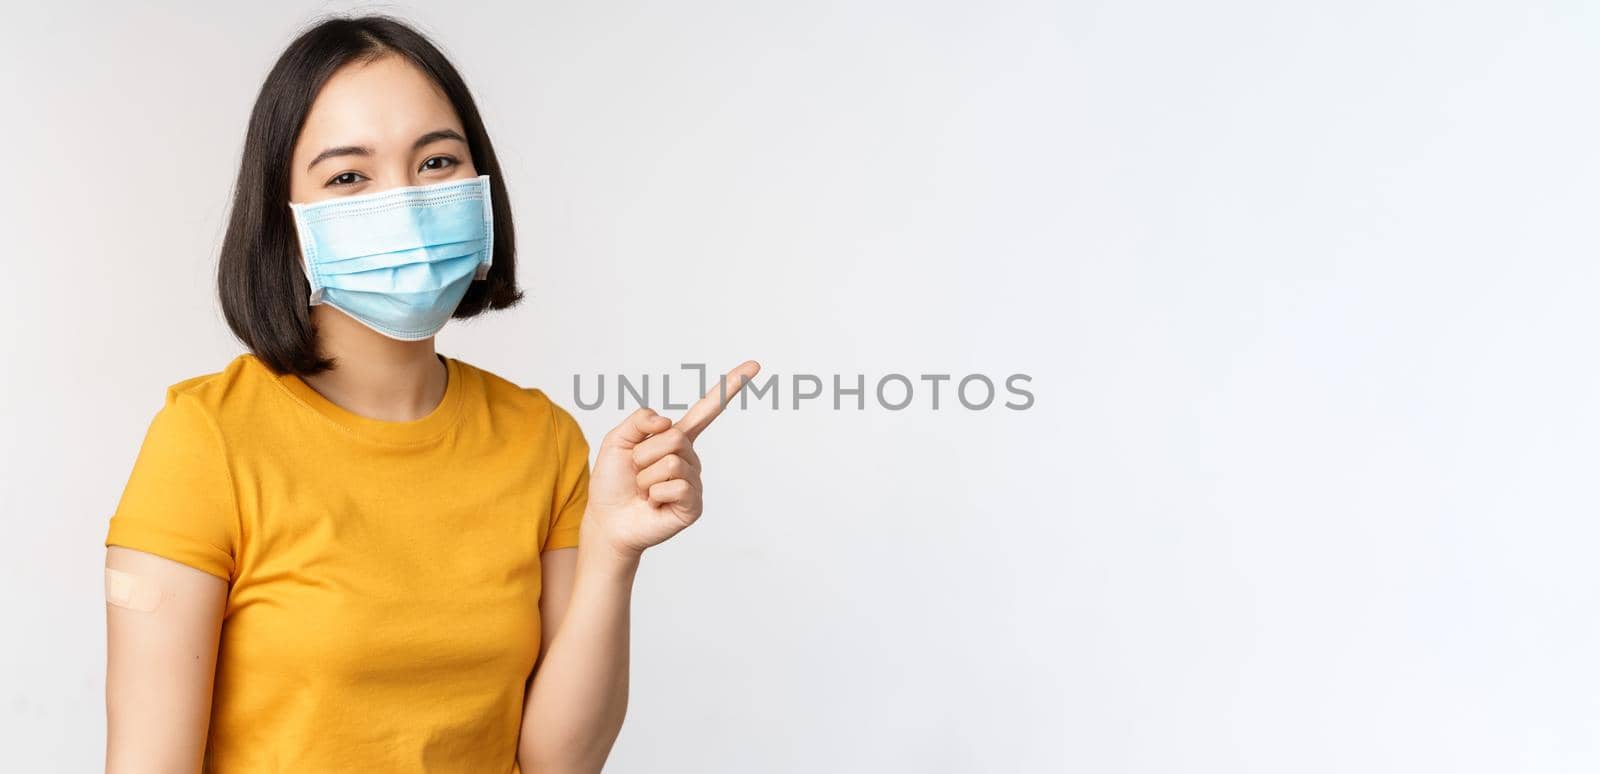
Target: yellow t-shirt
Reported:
[(383, 609)]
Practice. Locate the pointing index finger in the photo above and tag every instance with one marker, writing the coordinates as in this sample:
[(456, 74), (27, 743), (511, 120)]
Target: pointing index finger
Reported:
[(710, 405)]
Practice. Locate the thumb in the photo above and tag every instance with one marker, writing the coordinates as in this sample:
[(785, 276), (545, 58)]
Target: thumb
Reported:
[(639, 425)]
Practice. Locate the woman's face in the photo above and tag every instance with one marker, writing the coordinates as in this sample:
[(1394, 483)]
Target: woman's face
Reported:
[(377, 125)]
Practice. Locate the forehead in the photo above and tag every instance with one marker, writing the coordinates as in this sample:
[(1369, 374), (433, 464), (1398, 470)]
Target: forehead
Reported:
[(385, 104)]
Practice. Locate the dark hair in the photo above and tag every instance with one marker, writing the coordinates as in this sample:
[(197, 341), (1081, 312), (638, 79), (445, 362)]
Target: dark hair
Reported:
[(265, 294)]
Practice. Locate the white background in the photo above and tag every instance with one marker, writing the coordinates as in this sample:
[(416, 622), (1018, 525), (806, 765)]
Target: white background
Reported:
[(1307, 291)]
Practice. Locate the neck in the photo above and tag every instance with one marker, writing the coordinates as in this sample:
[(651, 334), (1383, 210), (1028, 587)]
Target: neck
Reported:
[(376, 376)]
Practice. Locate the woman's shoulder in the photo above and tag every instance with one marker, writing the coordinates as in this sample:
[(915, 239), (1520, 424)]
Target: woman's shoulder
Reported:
[(222, 388), (196, 410), (502, 393)]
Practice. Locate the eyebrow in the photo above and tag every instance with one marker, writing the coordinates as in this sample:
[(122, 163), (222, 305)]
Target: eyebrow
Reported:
[(361, 150)]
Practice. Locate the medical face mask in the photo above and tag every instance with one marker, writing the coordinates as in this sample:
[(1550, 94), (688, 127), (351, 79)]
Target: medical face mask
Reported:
[(400, 260)]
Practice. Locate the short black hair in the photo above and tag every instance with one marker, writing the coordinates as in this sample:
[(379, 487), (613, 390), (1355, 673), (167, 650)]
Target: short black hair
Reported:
[(264, 290)]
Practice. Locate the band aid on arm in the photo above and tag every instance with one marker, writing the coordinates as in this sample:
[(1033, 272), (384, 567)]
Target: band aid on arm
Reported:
[(135, 592)]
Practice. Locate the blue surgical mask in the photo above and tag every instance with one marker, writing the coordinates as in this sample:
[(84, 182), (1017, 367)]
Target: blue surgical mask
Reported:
[(399, 260)]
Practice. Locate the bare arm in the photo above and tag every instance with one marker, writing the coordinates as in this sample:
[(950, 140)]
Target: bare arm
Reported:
[(559, 571), (159, 662), (645, 489), (579, 695)]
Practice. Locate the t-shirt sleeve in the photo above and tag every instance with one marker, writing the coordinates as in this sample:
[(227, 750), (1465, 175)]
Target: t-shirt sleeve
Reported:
[(572, 481), (179, 501)]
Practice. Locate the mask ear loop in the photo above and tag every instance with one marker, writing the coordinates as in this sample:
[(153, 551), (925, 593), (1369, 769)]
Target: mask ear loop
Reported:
[(305, 247), (488, 231)]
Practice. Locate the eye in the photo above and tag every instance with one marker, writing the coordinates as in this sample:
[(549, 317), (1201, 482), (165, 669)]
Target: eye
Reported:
[(346, 178), (445, 162)]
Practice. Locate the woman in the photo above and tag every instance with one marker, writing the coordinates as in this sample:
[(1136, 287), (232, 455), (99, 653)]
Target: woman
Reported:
[(345, 551)]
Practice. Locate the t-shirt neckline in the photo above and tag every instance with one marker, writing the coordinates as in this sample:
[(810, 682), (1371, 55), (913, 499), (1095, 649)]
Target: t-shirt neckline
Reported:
[(424, 428)]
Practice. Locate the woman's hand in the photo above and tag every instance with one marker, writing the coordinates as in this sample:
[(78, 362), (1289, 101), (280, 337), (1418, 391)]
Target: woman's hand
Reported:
[(645, 486)]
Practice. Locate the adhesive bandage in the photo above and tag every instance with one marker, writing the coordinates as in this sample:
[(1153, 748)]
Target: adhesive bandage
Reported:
[(135, 592)]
